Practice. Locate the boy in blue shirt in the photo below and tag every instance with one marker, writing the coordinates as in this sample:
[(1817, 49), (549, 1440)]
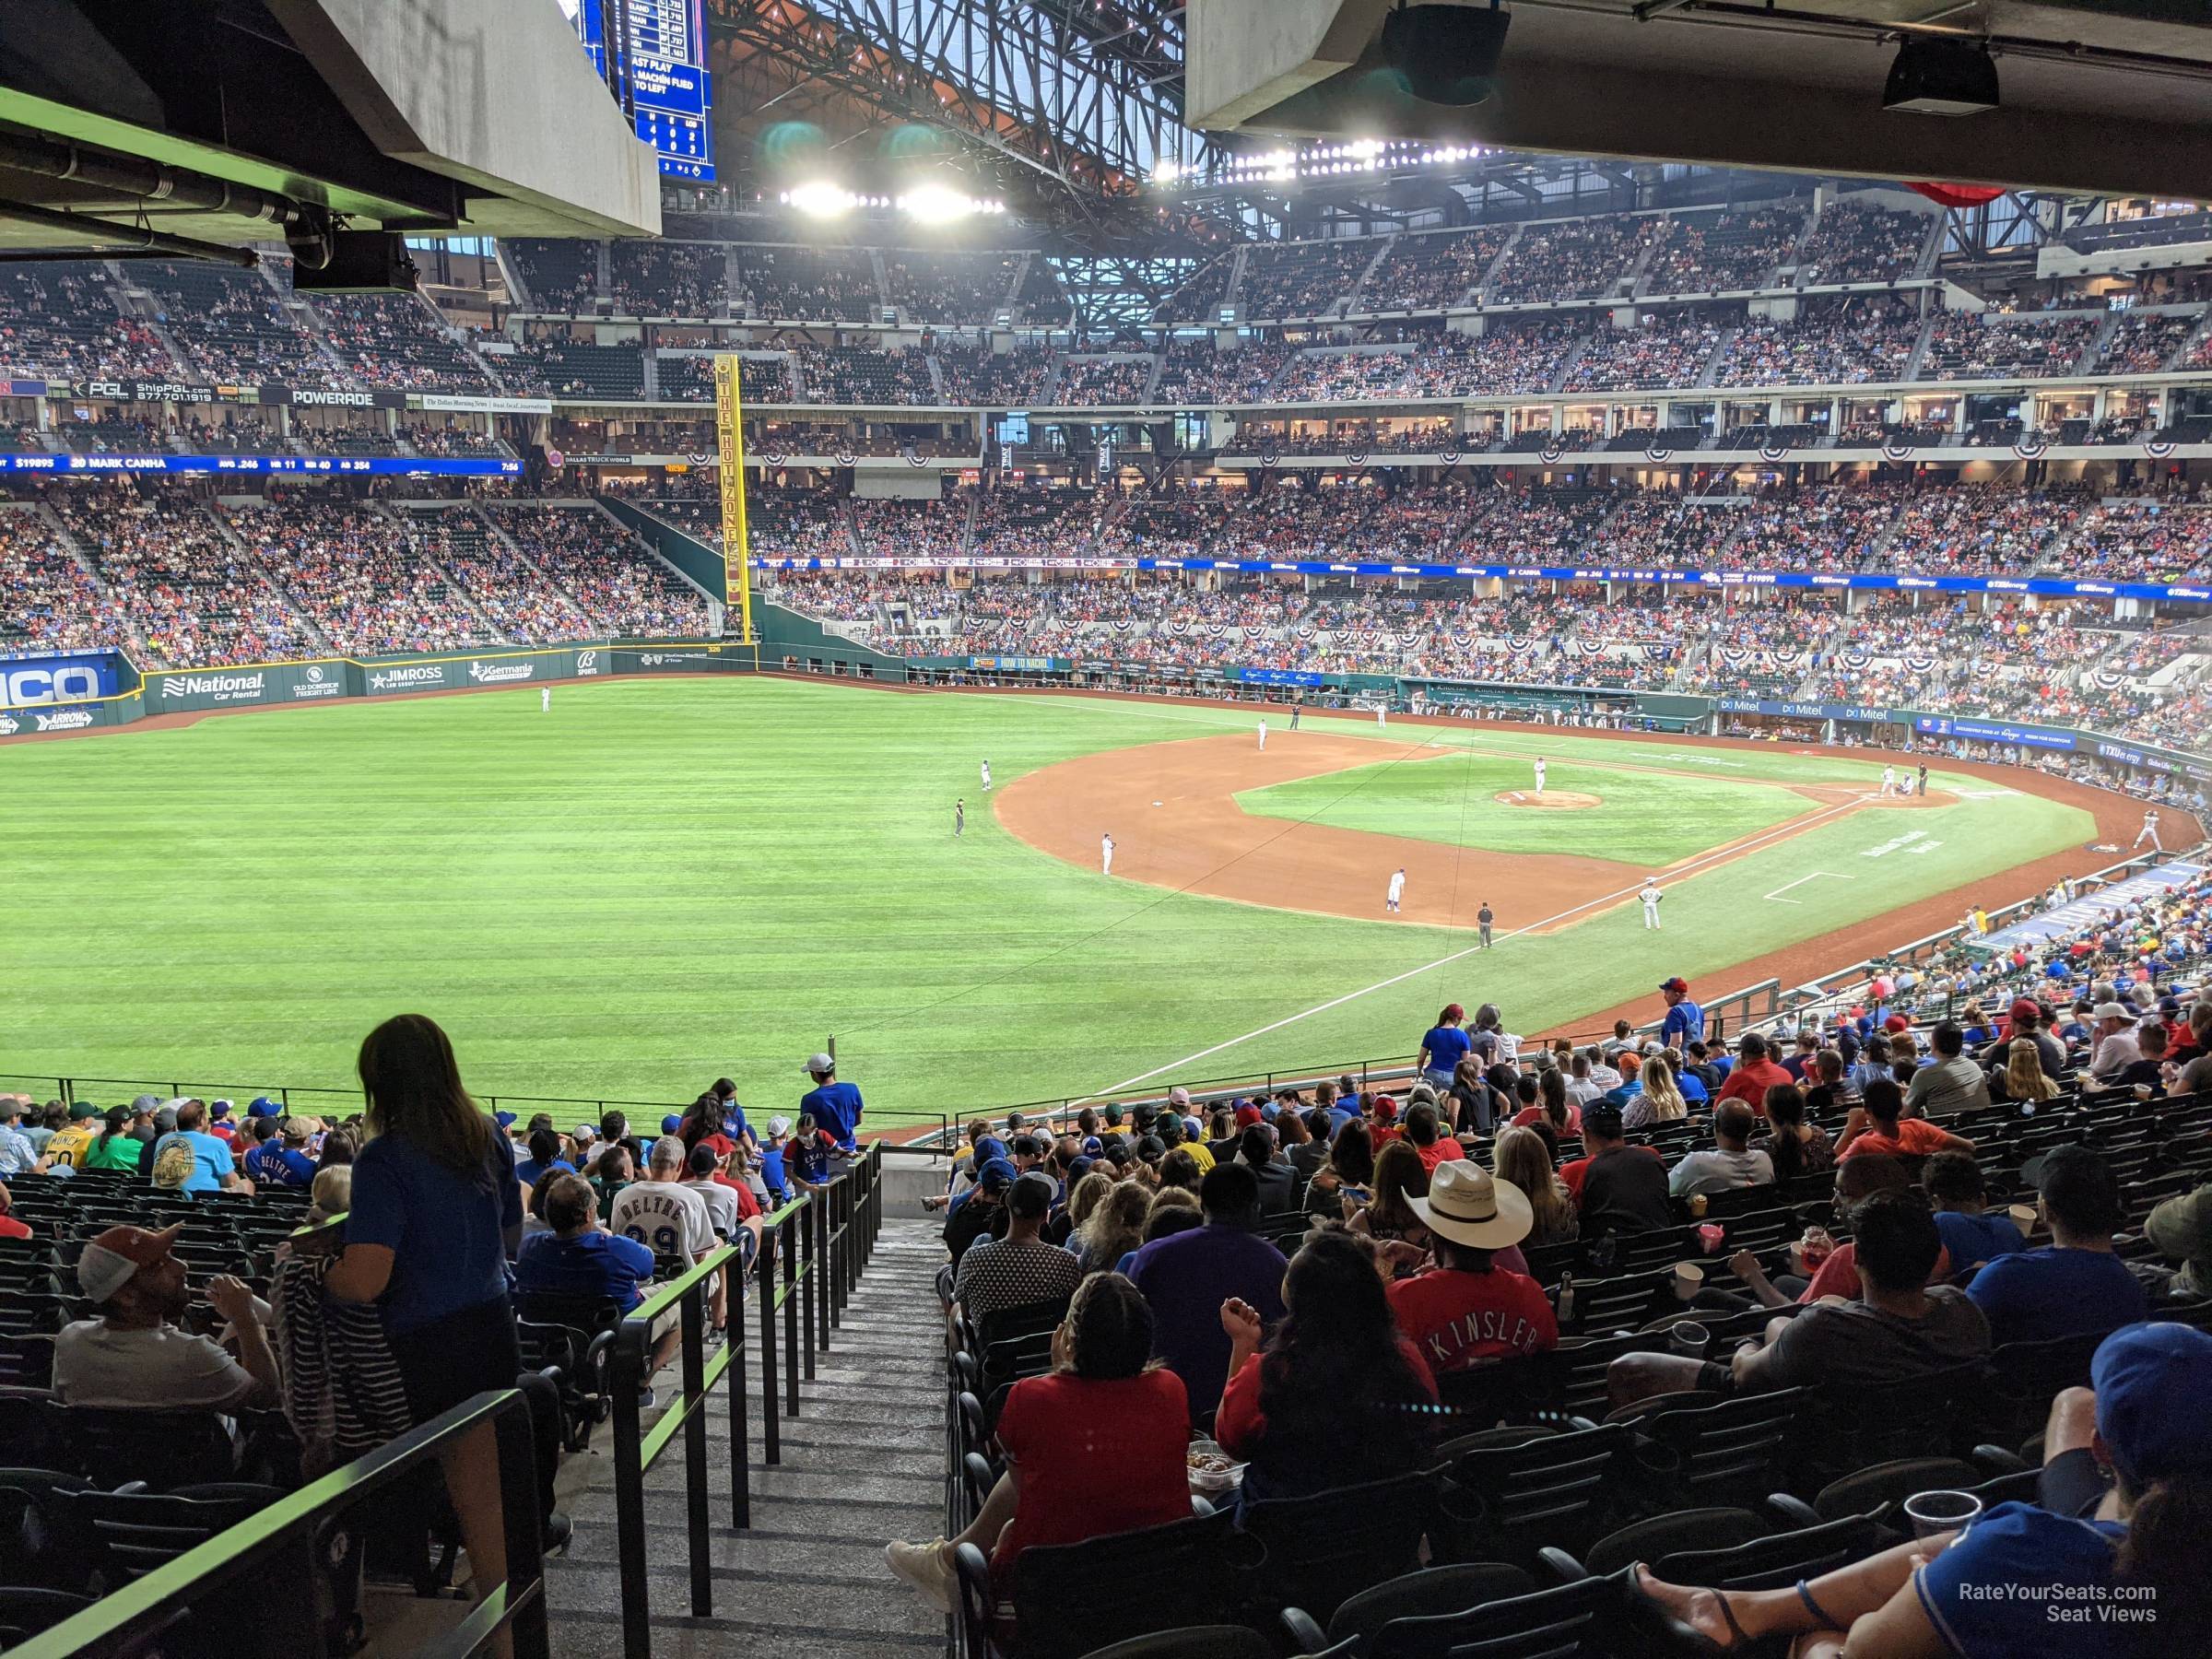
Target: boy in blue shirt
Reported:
[(835, 1107)]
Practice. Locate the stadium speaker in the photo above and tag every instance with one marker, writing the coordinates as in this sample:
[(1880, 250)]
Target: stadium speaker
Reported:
[(1447, 54), (361, 262), (1942, 78)]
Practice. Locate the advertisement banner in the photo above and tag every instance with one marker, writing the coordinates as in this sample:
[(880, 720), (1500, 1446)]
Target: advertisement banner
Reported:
[(1804, 711), (319, 397), (455, 404), (1279, 677), (1018, 664), (1987, 731), (78, 717), (373, 466), (186, 690), (33, 681)]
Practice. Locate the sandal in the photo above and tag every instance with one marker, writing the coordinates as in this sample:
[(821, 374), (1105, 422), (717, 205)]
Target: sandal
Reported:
[(1692, 1639)]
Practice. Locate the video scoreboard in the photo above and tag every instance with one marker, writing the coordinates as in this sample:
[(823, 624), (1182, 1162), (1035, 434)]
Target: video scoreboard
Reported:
[(662, 49)]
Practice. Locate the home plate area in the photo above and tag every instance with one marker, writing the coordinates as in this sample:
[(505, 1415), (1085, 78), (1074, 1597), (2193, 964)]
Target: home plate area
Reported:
[(1551, 800)]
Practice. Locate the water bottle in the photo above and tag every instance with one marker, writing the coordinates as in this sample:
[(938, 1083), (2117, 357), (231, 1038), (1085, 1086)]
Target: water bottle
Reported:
[(1566, 1303)]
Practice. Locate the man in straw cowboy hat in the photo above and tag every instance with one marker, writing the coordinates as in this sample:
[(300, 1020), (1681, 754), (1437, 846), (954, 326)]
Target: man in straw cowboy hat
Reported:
[(1467, 1309)]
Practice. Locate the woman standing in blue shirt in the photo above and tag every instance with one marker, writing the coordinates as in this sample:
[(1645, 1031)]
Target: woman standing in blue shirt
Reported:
[(437, 1212), (1443, 1047)]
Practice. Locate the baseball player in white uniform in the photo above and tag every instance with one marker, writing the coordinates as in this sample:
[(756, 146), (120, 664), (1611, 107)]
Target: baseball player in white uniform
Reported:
[(1106, 854), (1397, 891), (986, 777), (1539, 775), (545, 699), (2149, 833), (1262, 735), (1649, 898), (1382, 715), (1889, 780)]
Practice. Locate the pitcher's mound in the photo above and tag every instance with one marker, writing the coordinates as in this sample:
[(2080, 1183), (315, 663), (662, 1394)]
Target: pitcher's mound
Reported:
[(1551, 800)]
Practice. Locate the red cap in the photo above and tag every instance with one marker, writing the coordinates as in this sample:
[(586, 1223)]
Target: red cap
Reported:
[(2025, 1008), (1895, 1023), (1676, 984), (1386, 1109), (1247, 1117)]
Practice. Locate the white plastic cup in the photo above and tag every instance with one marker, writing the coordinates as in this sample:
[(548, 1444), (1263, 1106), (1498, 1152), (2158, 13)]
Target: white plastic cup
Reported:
[(1689, 1337), (1932, 1513), (1689, 1279)]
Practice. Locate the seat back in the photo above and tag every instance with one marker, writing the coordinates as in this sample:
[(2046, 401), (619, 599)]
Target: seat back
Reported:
[(1862, 1423), (1425, 1595), (163, 1449), (27, 1361), (1870, 1491), (127, 1535), (25, 1612), (1657, 1536), (1620, 1303), (1504, 1503), (2025, 1378), (1503, 1390), (1782, 1559), (1583, 1362), (1587, 1619), (1727, 1452), (1070, 1598), (1324, 1548), (1199, 1642), (586, 1313)]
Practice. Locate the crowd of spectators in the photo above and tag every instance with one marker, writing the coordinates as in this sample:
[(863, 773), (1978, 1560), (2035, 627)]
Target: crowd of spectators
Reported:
[(1831, 342), (2143, 342), (1198, 298), (396, 341), (1301, 279), (976, 375), (1982, 529), (623, 590), (2001, 346), (352, 570), (1102, 380), (48, 600), (1191, 371), (856, 375), (1572, 259), (1704, 254), (512, 592), (59, 321), (558, 277), (1658, 351), (2154, 539), (192, 595), (234, 328), (809, 284), (1430, 270), (947, 289), (1856, 240), (669, 278)]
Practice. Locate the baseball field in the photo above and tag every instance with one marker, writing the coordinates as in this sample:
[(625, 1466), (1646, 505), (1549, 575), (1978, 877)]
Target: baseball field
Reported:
[(659, 881)]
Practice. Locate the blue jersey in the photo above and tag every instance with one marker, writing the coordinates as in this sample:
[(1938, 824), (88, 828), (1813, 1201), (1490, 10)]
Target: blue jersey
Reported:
[(835, 1107), (1685, 1019)]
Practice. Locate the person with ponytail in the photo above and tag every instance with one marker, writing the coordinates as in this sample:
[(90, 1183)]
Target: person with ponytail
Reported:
[(1443, 1046), (2109, 1563), (1333, 1397)]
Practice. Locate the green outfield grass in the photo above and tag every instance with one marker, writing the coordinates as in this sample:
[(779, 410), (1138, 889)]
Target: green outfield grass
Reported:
[(660, 882), (1644, 817)]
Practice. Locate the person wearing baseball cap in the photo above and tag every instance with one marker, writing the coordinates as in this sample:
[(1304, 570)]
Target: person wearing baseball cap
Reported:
[(1685, 1021), (132, 1355), (66, 1146), (835, 1107), (1020, 1270), (1466, 1309), (2027, 1578), (984, 1209)]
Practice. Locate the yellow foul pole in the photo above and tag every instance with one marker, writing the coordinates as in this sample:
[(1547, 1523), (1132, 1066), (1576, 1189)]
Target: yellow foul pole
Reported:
[(736, 556)]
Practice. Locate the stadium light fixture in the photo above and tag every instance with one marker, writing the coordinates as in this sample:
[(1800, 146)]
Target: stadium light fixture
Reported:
[(941, 205), (818, 198)]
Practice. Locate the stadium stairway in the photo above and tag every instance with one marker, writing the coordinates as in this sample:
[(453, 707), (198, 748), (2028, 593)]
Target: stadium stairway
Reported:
[(862, 1462)]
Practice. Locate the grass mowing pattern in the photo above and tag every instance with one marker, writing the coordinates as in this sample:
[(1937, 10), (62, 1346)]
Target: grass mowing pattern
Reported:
[(1643, 819), (660, 882)]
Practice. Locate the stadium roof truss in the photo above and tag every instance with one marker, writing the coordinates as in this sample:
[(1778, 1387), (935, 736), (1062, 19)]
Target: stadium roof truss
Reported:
[(1084, 96)]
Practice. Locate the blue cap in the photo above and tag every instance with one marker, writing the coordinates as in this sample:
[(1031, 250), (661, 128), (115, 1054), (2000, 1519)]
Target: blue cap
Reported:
[(1193, 1129), (989, 1147), (1270, 1111), (1094, 1145), (217, 1109), (996, 1174), (505, 1120), (264, 1107), (2151, 1381), (1076, 1168), (672, 1122)]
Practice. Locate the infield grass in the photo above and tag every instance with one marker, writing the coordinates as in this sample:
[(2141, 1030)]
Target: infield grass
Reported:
[(660, 882)]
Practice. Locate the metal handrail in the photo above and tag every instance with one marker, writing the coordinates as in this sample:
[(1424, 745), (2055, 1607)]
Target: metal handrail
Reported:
[(290, 1534)]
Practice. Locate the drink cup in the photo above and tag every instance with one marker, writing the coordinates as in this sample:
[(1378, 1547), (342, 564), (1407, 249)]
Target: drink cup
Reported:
[(2023, 1216), (1709, 1237), (1689, 1279), (1689, 1337), (1935, 1512)]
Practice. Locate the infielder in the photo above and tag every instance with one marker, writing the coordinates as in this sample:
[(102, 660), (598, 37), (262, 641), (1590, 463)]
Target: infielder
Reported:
[(1294, 710), (1106, 854), (1397, 891), (1649, 898), (986, 777), (1539, 775), (545, 699), (2149, 833), (960, 818), (1382, 715), (1262, 735), (1483, 918)]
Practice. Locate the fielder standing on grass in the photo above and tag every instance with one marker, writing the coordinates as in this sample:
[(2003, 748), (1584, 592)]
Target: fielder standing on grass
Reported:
[(960, 818), (1397, 891), (1483, 918), (986, 777), (1649, 898), (545, 699)]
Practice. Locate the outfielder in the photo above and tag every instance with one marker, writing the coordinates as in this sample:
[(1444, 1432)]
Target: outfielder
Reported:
[(545, 699), (1649, 898), (2149, 833), (1397, 891), (986, 777), (960, 818), (1106, 854), (1539, 775), (1262, 735)]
